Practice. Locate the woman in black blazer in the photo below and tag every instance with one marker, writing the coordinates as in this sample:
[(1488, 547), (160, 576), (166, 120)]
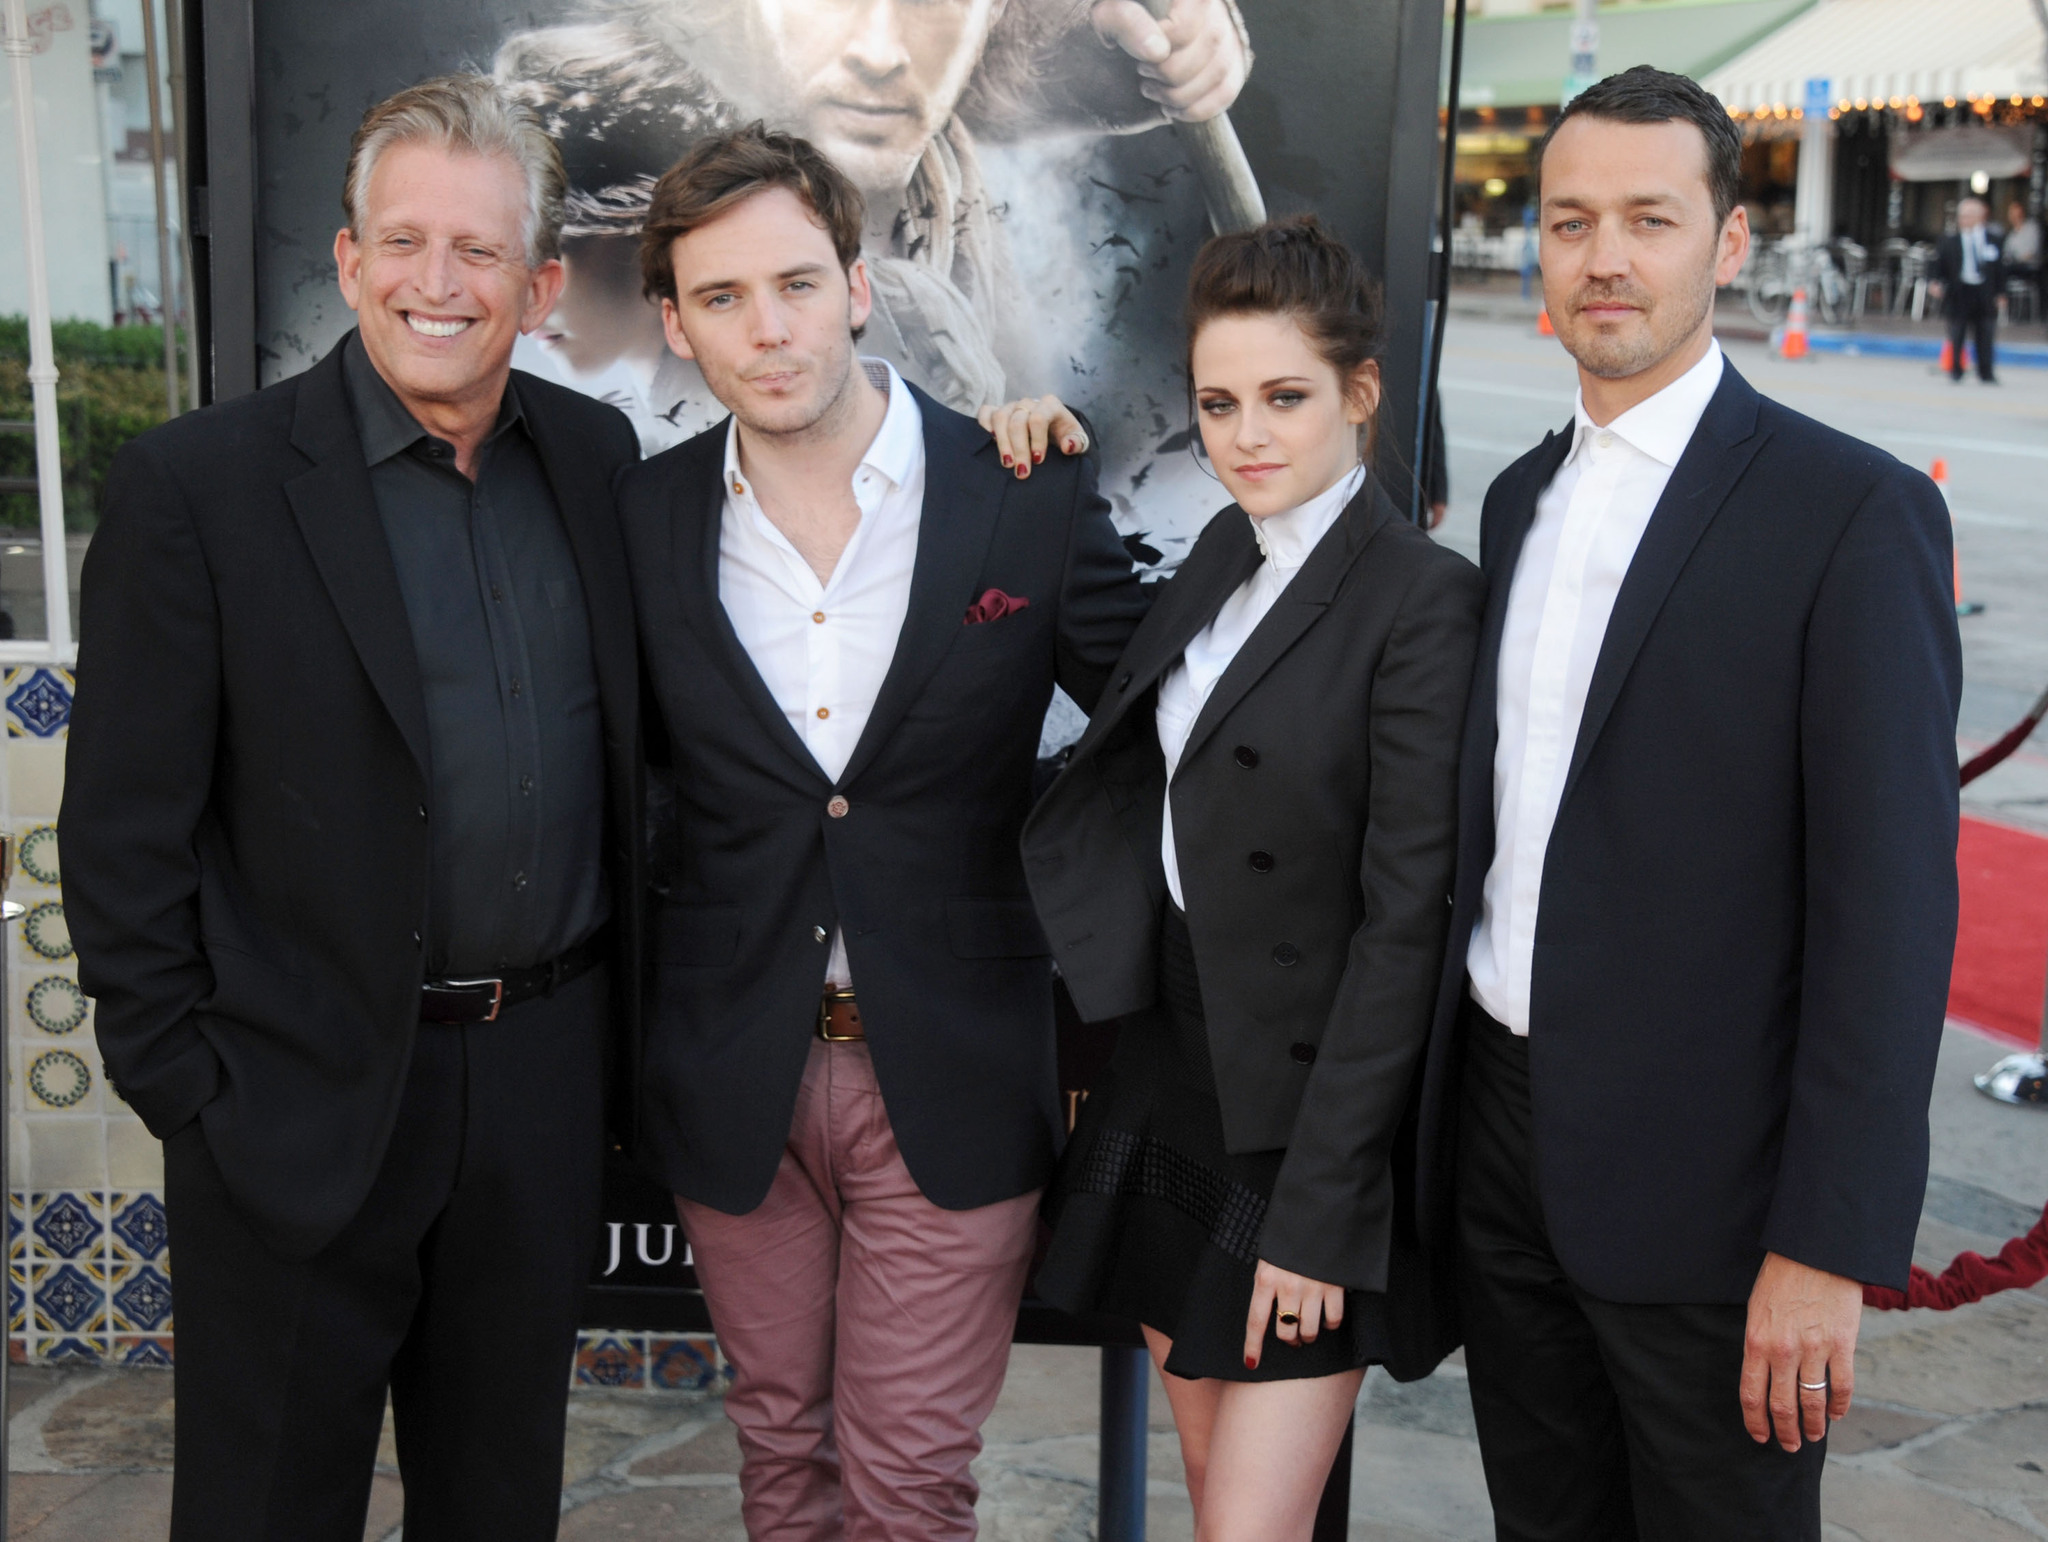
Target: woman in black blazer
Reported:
[(1247, 860)]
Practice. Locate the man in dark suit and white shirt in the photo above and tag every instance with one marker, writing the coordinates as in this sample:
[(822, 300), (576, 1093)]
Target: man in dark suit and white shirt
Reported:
[(1706, 886), (853, 617), (351, 836), (1969, 278)]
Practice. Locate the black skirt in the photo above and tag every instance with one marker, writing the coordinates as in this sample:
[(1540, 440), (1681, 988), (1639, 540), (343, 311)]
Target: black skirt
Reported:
[(1154, 1220)]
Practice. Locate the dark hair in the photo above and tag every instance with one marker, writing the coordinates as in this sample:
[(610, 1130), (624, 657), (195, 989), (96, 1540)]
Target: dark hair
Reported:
[(728, 170), (1292, 267), (1646, 94)]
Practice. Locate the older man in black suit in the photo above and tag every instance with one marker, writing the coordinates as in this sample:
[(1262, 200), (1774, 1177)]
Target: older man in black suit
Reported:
[(351, 841), (1969, 280), (1706, 894)]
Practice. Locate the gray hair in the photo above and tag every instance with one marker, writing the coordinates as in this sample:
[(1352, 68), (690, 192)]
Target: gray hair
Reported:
[(473, 114)]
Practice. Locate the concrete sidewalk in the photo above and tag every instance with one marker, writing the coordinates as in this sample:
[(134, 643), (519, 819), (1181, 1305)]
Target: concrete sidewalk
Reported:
[(1948, 1441)]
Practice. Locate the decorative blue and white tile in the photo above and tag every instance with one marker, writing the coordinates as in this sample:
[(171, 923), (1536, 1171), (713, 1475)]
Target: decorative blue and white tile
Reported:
[(68, 1351), (131, 1350), (689, 1364), (67, 1224), (35, 854), (610, 1360), (54, 1004), (17, 1224), (70, 1302), (38, 701), (140, 1229), (59, 1081), (140, 1301), (45, 936)]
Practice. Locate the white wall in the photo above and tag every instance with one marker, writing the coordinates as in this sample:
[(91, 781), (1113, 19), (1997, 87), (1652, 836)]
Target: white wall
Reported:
[(74, 180)]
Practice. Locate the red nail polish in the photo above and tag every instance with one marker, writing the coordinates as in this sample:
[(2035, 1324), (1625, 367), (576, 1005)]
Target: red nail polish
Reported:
[(1037, 456), (1250, 1364), (1070, 447), (1006, 460), (1021, 471)]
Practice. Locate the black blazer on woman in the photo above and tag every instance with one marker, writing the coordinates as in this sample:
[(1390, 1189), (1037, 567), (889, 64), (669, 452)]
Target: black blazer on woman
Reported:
[(1314, 816)]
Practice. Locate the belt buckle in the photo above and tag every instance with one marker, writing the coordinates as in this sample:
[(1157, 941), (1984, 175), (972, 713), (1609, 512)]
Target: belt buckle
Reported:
[(825, 1005), (497, 995)]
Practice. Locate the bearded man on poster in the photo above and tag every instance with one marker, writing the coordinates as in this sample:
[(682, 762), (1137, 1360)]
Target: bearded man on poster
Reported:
[(351, 833), (898, 94), (853, 616)]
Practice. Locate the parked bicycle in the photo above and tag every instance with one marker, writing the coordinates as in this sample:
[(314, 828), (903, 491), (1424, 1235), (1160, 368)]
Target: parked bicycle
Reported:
[(1775, 271)]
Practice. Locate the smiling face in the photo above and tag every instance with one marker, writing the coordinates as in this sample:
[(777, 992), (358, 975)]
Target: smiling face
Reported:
[(1631, 250), (1278, 422), (869, 82), (764, 307), (438, 276)]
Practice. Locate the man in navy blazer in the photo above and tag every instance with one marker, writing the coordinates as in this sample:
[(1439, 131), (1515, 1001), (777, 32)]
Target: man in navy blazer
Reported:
[(854, 619), (1675, 1102)]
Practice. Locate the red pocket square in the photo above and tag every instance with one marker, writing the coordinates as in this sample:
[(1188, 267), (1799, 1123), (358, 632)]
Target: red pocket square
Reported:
[(993, 606)]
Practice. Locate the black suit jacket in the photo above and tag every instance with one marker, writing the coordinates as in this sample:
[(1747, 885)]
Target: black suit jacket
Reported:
[(1948, 267), (1314, 813), (921, 871), (245, 803), (1748, 906)]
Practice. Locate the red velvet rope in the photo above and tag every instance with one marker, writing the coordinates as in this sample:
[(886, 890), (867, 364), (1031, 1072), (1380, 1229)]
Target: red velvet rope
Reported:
[(2014, 737), (2020, 1263)]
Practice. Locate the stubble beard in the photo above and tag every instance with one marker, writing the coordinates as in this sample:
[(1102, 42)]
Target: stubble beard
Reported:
[(1668, 322), (815, 420)]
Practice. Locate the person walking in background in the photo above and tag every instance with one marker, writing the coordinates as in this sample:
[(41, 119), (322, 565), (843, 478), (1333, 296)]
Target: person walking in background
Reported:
[(1675, 1106), (1246, 860), (351, 834), (853, 616), (2023, 250), (1969, 276)]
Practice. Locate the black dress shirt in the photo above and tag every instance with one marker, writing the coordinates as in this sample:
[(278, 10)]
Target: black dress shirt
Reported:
[(502, 636)]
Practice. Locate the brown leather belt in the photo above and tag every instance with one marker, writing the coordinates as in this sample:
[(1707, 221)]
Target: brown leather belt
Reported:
[(839, 1018)]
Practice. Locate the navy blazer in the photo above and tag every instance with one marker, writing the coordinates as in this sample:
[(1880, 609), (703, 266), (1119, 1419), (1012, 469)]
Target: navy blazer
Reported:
[(920, 867), (1748, 907)]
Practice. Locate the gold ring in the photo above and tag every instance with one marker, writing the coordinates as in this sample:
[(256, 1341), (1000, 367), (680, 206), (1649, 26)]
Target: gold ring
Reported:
[(1289, 1319)]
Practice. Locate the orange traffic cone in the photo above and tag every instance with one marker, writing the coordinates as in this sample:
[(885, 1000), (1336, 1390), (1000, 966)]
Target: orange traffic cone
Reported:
[(1794, 346), (1543, 326), (1939, 473), (1948, 362)]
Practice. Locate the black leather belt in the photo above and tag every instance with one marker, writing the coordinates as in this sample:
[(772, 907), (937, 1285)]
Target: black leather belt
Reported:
[(481, 1000)]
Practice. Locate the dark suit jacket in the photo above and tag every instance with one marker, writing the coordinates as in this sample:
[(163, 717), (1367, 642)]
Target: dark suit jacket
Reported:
[(1748, 906), (1314, 817), (1948, 267), (922, 870), (245, 804)]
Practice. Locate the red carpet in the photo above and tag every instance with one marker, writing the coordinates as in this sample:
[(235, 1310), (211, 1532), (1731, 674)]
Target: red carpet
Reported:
[(2002, 944)]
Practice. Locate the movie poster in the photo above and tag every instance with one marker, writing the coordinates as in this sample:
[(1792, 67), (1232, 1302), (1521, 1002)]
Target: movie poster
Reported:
[(1032, 212)]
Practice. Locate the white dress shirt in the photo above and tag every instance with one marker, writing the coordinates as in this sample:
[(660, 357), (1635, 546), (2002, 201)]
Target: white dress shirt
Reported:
[(1588, 523), (1285, 539), (823, 648)]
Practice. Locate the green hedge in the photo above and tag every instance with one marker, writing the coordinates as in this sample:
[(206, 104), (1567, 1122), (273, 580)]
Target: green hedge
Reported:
[(110, 387)]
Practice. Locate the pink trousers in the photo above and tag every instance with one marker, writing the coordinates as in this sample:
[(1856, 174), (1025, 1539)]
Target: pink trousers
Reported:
[(868, 1329)]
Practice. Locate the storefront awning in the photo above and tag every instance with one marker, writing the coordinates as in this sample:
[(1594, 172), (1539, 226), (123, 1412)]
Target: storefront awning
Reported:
[(1522, 61), (1871, 52)]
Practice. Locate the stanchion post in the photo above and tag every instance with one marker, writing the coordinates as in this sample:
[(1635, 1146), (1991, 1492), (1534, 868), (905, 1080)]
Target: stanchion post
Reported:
[(1333, 1510), (2021, 1078), (1120, 1489)]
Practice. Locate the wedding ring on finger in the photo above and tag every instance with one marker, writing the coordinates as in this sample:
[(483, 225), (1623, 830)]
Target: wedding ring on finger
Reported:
[(1813, 1386)]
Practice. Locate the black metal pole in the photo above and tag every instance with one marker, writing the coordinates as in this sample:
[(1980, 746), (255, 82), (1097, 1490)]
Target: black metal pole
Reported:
[(1425, 442), (1120, 1494), (1333, 1511)]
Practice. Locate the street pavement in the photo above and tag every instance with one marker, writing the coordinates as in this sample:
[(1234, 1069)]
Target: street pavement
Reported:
[(1948, 1440)]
